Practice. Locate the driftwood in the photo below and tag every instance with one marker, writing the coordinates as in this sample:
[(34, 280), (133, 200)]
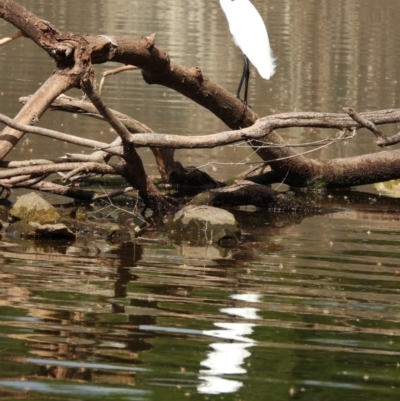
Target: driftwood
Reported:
[(75, 55)]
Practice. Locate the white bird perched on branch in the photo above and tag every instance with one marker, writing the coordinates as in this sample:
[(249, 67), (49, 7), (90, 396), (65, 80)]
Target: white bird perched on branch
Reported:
[(250, 35)]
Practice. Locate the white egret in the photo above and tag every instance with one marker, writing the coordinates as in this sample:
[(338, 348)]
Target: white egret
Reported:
[(250, 35)]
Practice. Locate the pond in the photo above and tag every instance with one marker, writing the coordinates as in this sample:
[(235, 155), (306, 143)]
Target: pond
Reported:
[(303, 308)]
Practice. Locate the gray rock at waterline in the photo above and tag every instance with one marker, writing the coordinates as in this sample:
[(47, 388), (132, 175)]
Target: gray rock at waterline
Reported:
[(36, 230), (205, 224), (53, 231), (33, 208)]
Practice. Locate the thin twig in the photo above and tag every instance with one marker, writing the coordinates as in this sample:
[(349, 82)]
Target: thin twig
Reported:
[(114, 72), (9, 39), (367, 124)]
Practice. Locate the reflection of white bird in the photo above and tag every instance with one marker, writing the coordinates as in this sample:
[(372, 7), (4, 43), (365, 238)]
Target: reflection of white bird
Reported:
[(250, 34)]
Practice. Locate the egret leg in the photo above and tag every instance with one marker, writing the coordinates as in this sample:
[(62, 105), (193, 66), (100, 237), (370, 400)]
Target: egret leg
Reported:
[(245, 79)]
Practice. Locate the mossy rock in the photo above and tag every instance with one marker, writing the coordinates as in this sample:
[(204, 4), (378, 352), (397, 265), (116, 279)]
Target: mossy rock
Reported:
[(33, 208), (204, 224)]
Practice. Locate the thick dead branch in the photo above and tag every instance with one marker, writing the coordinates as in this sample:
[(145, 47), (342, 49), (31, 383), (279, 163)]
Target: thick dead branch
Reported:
[(246, 192), (338, 173), (33, 109), (29, 24), (361, 170), (392, 140), (74, 193), (27, 163), (19, 179)]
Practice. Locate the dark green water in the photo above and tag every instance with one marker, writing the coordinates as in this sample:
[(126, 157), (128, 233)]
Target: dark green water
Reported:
[(285, 314)]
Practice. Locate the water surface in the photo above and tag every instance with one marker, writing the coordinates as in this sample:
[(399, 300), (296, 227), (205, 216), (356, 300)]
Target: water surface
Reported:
[(300, 309)]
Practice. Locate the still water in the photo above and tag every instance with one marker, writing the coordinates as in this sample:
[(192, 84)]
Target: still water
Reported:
[(302, 309)]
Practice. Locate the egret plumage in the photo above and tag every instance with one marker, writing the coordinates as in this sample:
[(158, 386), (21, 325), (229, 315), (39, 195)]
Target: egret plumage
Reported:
[(250, 35)]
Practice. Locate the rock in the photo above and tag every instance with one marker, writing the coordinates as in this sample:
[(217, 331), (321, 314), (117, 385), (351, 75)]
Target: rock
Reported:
[(36, 230), (32, 207), (117, 233), (205, 224), (53, 231)]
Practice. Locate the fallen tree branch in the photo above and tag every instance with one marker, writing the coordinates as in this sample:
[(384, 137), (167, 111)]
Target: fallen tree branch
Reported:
[(133, 170), (78, 106), (247, 192), (49, 187), (164, 157), (33, 109), (97, 168), (89, 143), (105, 112), (261, 129)]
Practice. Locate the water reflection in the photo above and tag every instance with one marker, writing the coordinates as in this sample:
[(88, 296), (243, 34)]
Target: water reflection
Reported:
[(228, 358), (305, 315), (78, 390)]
